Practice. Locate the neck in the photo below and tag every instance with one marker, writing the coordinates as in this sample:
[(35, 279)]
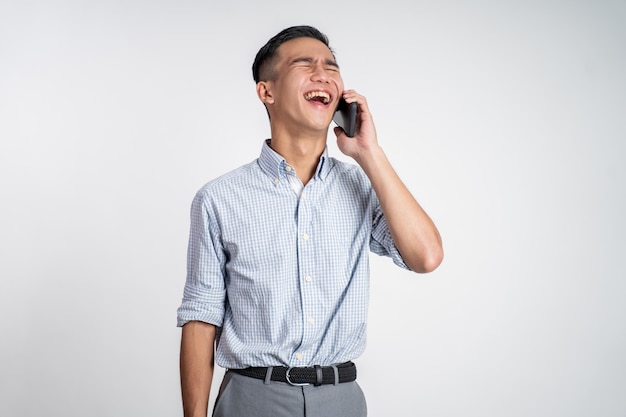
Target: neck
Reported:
[(300, 151)]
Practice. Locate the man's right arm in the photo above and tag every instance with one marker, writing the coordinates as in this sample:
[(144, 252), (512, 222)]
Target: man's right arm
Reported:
[(196, 367)]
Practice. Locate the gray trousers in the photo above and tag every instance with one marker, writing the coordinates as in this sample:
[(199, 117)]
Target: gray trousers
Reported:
[(243, 396)]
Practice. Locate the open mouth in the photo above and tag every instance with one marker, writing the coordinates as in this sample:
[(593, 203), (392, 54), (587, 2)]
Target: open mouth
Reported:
[(319, 96)]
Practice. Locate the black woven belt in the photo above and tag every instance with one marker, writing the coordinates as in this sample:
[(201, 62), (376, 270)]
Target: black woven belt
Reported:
[(314, 375)]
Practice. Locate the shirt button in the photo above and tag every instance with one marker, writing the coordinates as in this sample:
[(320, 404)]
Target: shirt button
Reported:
[(305, 236), (288, 168), (276, 180), (308, 278), (311, 320), (299, 356)]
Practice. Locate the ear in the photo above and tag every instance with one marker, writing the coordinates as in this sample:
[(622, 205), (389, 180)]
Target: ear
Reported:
[(264, 91)]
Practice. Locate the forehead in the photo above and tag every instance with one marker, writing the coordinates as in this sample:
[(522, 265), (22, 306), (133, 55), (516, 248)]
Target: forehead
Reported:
[(300, 47)]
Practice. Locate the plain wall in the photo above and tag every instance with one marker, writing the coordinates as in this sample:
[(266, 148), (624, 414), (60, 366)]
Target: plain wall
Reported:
[(504, 118)]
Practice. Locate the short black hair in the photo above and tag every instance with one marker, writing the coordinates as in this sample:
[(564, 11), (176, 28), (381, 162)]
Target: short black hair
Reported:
[(262, 68)]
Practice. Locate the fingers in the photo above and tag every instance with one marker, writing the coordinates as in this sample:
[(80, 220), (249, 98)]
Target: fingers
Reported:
[(351, 96), (364, 118), (363, 112)]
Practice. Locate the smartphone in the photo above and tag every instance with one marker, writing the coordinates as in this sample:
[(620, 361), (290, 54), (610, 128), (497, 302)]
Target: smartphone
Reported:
[(345, 117)]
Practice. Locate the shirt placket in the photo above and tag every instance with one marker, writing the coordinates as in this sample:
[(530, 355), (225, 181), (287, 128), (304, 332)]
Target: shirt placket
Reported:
[(307, 240)]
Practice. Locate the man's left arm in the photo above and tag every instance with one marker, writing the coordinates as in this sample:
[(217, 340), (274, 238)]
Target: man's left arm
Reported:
[(413, 232)]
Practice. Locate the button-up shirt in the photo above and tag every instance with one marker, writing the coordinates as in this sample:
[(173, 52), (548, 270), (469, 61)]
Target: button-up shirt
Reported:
[(283, 270)]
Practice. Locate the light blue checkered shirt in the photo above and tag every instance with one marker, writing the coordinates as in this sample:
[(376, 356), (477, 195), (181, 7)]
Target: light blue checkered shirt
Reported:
[(284, 270)]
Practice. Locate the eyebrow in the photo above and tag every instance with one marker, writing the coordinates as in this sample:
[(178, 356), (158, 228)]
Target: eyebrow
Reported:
[(310, 60)]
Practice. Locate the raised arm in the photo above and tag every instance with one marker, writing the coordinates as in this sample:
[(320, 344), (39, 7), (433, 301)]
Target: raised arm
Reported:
[(196, 367), (414, 233)]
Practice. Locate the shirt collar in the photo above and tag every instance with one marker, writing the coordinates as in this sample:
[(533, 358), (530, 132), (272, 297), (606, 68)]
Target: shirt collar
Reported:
[(273, 164)]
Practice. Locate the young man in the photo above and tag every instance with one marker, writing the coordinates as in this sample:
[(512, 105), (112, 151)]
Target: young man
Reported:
[(278, 271)]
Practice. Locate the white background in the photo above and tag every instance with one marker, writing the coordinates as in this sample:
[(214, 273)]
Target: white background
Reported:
[(505, 118)]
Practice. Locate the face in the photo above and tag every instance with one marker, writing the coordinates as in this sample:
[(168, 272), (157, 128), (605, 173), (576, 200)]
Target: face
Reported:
[(306, 88)]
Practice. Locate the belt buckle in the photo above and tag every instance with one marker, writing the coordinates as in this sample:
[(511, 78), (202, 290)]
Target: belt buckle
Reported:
[(295, 384)]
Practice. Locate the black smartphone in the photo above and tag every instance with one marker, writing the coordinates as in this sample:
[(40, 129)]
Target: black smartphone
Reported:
[(345, 117)]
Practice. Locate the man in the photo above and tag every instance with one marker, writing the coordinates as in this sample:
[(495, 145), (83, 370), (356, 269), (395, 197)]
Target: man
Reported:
[(278, 273)]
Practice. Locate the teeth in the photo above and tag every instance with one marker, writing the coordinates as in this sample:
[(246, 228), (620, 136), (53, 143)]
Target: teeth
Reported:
[(314, 94)]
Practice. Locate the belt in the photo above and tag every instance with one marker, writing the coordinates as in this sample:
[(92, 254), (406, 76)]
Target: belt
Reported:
[(301, 376)]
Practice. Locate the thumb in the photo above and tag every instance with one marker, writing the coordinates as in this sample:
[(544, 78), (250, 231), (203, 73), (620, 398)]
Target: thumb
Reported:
[(339, 132)]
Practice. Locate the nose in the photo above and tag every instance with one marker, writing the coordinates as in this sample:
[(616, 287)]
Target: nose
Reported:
[(319, 74)]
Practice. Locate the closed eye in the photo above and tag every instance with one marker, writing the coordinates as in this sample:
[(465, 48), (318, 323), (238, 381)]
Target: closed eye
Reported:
[(330, 64)]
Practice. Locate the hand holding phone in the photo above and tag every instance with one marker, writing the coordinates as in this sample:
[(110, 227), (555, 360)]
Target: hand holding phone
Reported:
[(345, 117)]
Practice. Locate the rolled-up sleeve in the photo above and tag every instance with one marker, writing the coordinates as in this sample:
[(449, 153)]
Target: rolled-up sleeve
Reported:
[(381, 242), (204, 294)]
